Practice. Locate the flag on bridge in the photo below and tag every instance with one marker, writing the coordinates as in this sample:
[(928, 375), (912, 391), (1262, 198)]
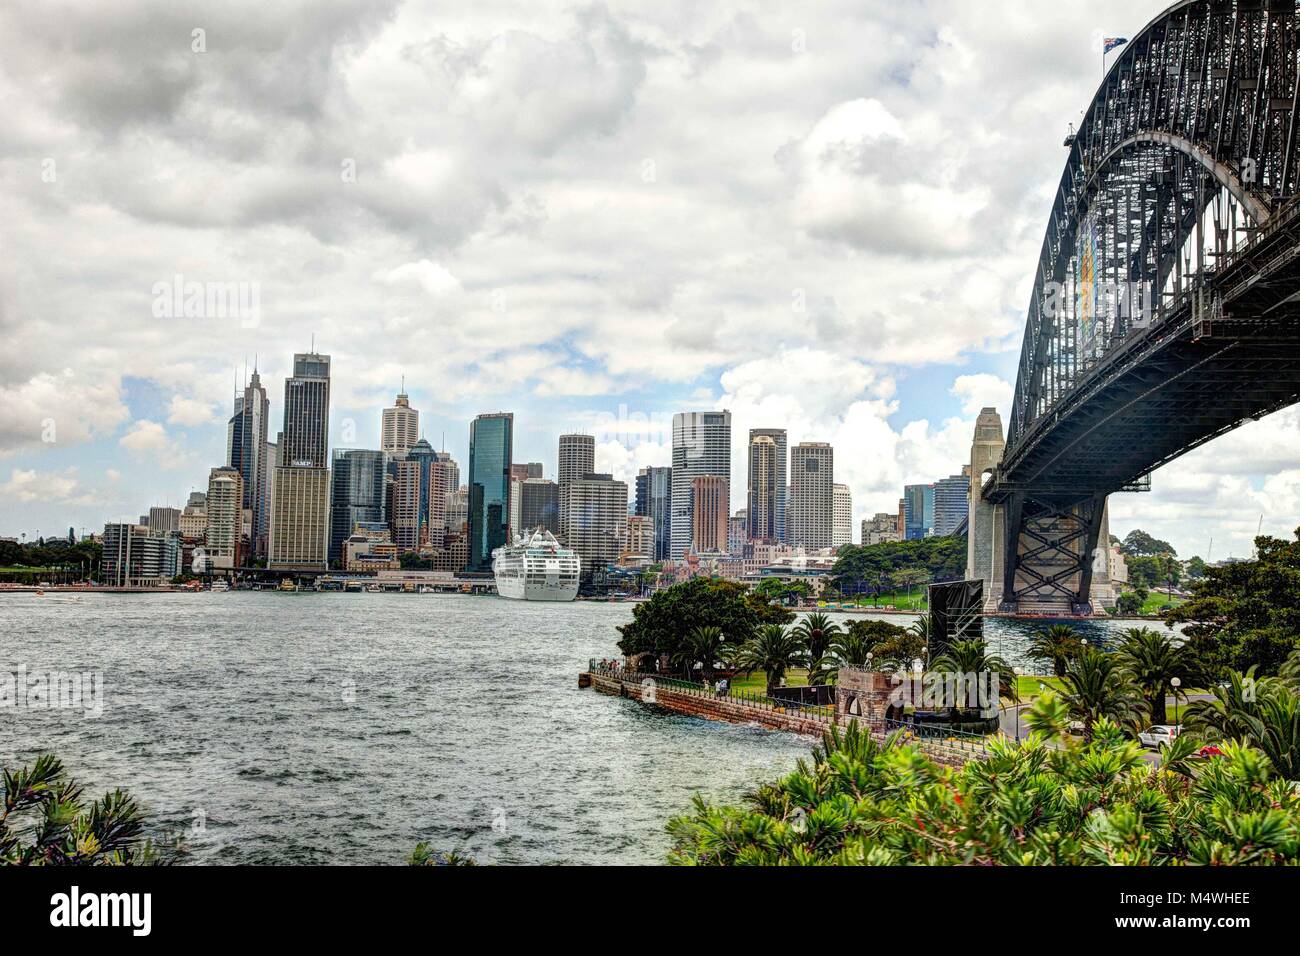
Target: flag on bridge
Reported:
[(1113, 43)]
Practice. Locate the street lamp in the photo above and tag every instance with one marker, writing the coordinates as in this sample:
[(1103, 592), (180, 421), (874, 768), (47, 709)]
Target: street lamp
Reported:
[(1020, 672), (1176, 682)]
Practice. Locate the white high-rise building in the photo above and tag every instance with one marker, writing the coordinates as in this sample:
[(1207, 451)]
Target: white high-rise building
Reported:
[(842, 532), (225, 512), (401, 428), (701, 447), (594, 522), (811, 517)]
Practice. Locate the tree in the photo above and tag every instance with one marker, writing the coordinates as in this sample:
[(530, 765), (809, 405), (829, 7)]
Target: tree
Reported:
[(1097, 686), (1129, 604), (663, 623), (973, 657), (1139, 544), (1263, 713), (866, 801), (1057, 645), (1245, 614), (877, 568), (45, 822), (1153, 659), (816, 631), (1194, 568), (774, 650), (707, 646)]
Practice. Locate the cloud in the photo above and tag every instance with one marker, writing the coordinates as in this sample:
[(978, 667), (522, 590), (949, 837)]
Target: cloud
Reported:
[(28, 485), (189, 412), (144, 435), (58, 408), (429, 276), (977, 392)]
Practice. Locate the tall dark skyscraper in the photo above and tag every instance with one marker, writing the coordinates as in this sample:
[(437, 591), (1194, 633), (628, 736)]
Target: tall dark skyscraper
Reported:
[(775, 529), (246, 452), (491, 439), (356, 494), (306, 413), (654, 500)]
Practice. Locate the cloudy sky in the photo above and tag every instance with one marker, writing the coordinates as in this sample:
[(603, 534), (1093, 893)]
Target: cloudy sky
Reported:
[(820, 216)]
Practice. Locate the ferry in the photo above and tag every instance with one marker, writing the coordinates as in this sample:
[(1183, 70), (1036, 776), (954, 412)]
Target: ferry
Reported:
[(536, 568)]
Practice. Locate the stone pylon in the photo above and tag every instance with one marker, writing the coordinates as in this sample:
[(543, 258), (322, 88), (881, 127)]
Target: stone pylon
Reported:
[(984, 545)]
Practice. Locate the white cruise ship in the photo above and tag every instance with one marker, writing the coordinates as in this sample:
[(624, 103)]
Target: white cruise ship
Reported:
[(536, 568)]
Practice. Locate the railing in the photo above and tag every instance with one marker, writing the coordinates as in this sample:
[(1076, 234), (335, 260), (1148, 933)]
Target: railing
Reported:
[(942, 735), (819, 712)]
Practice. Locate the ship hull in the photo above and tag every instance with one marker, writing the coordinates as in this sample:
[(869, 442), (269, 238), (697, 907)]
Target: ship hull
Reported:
[(518, 589)]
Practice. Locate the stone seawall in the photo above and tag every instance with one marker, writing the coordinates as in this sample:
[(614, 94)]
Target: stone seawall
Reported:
[(700, 703)]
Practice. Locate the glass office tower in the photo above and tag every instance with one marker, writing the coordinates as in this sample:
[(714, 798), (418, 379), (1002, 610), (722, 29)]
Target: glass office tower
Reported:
[(490, 449)]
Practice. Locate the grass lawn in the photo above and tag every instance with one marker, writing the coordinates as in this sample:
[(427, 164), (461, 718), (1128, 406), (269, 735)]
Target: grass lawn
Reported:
[(917, 601), (1157, 601), (757, 681), (1029, 688)]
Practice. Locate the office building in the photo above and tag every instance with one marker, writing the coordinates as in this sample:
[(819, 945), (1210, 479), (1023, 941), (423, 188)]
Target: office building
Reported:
[(880, 529), (132, 557), (638, 547), (701, 447), (577, 457), (444, 479), (356, 496), (299, 527), (738, 532), (539, 505), (247, 452), (225, 517), (711, 513), (842, 531), (811, 518), (399, 428), (918, 511), (764, 491), (163, 520), (491, 439), (594, 519), (654, 500), (777, 475), (951, 504)]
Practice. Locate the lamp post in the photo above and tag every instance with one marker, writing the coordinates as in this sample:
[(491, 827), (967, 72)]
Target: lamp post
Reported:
[(1175, 683), (1015, 702)]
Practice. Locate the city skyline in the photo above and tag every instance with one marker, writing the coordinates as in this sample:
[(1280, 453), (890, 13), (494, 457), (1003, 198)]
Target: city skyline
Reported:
[(497, 282)]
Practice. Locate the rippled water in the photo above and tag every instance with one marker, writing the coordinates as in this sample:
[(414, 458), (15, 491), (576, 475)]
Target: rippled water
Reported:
[(345, 728)]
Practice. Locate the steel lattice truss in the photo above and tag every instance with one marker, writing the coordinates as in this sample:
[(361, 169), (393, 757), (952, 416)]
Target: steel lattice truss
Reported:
[(1161, 311)]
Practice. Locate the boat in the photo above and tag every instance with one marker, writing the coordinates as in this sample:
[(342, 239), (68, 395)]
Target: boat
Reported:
[(220, 584), (536, 567)]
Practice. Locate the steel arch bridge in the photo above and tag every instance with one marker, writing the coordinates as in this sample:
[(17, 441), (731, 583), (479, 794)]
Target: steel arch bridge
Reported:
[(1166, 302)]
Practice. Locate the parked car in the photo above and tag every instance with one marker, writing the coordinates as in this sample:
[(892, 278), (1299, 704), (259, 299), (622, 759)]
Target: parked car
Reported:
[(1153, 737)]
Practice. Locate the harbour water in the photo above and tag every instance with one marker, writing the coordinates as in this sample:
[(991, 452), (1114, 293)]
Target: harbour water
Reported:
[(345, 728)]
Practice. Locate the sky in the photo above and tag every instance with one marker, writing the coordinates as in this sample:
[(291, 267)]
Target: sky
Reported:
[(823, 217)]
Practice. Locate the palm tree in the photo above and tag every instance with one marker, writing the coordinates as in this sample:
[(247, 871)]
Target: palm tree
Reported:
[(973, 657), (707, 645), (1153, 659), (774, 650), (1097, 685), (847, 649), (816, 631), (1059, 645), (1264, 712)]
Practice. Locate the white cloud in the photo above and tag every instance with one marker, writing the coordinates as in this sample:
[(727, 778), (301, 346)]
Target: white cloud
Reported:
[(144, 435), (189, 412), (28, 485)]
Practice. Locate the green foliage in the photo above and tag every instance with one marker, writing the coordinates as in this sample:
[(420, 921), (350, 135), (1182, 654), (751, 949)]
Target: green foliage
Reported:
[(863, 801), (973, 657), (1129, 604), (783, 592), (816, 632), (773, 650), (1057, 645), (45, 822), (881, 567), (662, 624), (1264, 712), (1096, 686), (1154, 659), (1139, 544), (422, 855), (1245, 614), (1153, 573)]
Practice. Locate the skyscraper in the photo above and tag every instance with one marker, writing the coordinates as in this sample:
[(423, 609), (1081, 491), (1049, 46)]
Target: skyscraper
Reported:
[(444, 479), (404, 503), (224, 506), (842, 532), (764, 490), (701, 446), (539, 505), (577, 457), (491, 439), (950, 503), (812, 496), (356, 495), (400, 427), (918, 511), (163, 520), (654, 500), (247, 452), (299, 536), (780, 493), (594, 523), (711, 513)]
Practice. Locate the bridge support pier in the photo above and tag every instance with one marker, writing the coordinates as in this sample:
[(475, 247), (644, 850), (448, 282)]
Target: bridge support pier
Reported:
[(1037, 552)]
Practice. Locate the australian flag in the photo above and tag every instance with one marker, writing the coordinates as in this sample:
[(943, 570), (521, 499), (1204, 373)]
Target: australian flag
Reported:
[(1112, 43)]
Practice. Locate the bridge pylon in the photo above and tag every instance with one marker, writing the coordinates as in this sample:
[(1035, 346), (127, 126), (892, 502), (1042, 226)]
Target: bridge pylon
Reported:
[(1038, 551)]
